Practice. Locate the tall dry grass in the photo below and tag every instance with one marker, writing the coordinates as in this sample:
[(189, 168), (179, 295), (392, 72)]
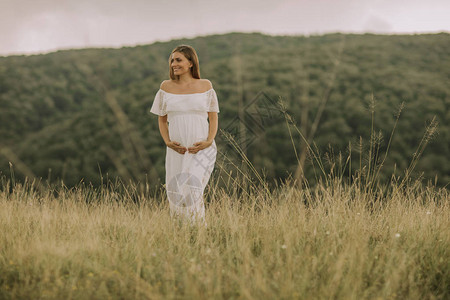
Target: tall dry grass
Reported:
[(332, 241)]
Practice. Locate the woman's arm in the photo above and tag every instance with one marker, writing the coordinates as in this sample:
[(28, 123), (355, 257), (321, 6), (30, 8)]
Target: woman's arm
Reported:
[(213, 124), (164, 130)]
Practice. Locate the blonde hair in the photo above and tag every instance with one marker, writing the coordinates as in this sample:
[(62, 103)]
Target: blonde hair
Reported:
[(191, 55)]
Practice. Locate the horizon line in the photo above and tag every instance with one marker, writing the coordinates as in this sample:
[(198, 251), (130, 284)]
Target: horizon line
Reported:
[(112, 47)]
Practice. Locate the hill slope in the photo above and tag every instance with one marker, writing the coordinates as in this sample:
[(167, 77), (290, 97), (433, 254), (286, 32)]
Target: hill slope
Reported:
[(71, 114)]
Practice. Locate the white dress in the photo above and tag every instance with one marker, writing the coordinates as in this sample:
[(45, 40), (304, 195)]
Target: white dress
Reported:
[(187, 174)]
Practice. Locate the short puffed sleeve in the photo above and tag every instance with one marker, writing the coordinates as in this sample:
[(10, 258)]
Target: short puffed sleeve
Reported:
[(159, 105), (213, 102)]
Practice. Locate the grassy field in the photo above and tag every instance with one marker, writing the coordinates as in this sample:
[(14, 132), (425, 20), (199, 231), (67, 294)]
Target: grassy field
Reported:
[(336, 241)]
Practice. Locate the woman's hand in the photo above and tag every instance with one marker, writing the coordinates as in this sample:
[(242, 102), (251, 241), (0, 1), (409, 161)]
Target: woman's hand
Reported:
[(176, 147), (199, 146)]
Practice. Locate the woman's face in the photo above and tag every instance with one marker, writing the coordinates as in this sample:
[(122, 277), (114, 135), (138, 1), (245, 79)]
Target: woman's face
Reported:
[(179, 63)]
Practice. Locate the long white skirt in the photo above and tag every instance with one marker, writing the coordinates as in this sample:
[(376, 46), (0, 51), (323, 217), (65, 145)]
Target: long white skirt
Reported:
[(188, 174)]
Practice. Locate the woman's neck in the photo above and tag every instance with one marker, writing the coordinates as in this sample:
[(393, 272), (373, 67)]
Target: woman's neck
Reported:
[(185, 80)]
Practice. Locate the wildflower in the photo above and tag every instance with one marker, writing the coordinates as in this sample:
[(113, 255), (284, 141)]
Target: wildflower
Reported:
[(428, 212), (283, 246), (397, 235)]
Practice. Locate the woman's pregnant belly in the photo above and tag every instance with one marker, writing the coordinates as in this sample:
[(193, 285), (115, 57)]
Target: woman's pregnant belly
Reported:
[(188, 129)]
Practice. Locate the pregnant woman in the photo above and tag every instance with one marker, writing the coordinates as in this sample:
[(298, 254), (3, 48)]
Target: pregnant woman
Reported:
[(187, 109)]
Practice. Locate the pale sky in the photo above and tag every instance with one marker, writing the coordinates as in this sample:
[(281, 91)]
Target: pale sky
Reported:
[(41, 26)]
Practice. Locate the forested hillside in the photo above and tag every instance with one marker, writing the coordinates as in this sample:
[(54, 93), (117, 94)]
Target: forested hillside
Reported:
[(74, 114)]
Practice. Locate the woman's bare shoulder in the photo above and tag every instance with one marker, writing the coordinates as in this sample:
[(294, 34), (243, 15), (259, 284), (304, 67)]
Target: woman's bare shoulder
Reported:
[(165, 84), (206, 84)]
